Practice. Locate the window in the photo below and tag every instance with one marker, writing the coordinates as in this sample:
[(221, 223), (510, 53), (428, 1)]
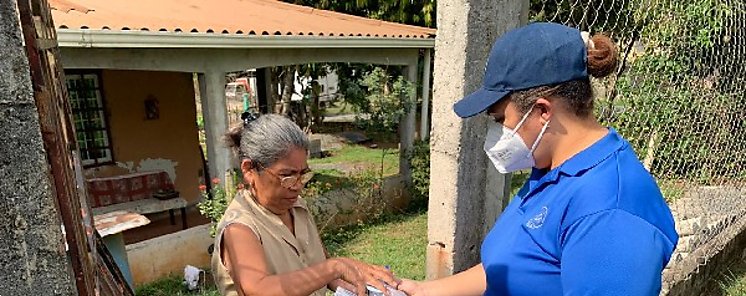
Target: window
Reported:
[(89, 117)]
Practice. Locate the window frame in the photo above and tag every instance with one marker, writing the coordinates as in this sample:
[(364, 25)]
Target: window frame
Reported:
[(79, 75)]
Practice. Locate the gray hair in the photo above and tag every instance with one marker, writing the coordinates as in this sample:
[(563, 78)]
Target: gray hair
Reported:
[(267, 139)]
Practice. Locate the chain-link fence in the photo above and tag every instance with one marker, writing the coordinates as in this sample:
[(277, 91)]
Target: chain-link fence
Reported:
[(677, 97)]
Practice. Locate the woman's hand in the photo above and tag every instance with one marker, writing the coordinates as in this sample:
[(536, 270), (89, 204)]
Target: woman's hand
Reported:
[(361, 274), (413, 288)]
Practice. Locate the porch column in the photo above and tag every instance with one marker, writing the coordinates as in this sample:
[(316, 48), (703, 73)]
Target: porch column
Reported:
[(407, 127), (215, 113), (465, 191), (425, 111)]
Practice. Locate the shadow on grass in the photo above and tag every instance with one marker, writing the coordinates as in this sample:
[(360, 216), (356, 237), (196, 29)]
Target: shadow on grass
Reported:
[(732, 282)]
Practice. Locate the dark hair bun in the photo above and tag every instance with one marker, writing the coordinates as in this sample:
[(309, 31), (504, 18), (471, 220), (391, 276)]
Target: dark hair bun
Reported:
[(602, 57), (232, 138)]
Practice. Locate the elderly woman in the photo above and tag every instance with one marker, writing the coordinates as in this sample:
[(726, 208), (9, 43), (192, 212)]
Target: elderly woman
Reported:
[(267, 242)]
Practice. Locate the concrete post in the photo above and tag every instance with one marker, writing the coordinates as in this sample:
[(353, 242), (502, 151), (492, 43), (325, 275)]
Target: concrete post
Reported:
[(271, 103), (33, 260), (215, 113), (464, 194), (408, 127), (425, 111)]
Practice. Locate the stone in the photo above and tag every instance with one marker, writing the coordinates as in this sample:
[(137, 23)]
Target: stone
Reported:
[(688, 226), (354, 137), (314, 149)]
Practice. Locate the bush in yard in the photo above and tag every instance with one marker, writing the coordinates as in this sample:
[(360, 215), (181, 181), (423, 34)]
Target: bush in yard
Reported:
[(419, 158), (384, 98), (362, 189)]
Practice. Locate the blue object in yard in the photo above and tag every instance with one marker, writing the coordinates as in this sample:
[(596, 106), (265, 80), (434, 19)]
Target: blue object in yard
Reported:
[(115, 244), (111, 226)]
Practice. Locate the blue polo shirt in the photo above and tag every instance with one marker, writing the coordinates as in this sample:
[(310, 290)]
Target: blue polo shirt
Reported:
[(595, 225)]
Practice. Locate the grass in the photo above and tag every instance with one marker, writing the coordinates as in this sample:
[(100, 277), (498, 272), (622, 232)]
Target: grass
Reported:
[(172, 286), (399, 241), (364, 157), (734, 280), (338, 108)]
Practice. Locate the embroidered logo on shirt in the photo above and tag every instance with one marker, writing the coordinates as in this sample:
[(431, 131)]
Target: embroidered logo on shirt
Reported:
[(538, 220)]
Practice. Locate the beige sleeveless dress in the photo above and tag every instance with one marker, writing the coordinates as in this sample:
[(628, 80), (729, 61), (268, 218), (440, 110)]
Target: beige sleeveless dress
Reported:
[(283, 251)]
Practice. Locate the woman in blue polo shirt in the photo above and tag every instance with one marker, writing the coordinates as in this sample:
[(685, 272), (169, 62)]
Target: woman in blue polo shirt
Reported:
[(590, 220)]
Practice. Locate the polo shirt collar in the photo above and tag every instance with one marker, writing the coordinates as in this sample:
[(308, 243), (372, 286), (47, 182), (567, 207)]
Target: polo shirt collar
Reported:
[(584, 160), (593, 155)]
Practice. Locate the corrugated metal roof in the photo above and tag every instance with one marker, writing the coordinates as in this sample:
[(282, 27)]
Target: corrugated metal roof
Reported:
[(235, 17)]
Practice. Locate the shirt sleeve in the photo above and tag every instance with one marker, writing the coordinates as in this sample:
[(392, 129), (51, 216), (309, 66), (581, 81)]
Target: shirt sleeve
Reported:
[(613, 253)]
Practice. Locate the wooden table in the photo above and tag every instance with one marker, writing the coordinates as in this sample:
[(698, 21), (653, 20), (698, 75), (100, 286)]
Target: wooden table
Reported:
[(149, 206)]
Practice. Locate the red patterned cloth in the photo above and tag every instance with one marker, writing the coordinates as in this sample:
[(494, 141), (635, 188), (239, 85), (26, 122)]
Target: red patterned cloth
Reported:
[(125, 188)]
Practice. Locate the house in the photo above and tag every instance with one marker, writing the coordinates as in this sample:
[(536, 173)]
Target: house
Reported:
[(131, 68)]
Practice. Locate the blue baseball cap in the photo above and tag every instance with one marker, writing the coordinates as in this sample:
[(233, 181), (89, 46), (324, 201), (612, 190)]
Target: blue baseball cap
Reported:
[(534, 55)]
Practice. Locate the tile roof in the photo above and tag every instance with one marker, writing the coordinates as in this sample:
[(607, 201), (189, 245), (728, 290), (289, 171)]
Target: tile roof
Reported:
[(235, 17)]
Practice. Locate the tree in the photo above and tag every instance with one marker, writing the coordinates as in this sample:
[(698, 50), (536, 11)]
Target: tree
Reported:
[(411, 12), (420, 13)]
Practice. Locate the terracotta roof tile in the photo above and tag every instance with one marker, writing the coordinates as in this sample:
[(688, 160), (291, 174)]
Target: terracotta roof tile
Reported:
[(244, 17)]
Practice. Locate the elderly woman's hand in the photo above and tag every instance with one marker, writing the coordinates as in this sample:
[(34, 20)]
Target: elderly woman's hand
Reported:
[(359, 274)]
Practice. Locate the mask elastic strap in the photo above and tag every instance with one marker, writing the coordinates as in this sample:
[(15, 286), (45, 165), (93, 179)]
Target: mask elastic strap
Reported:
[(541, 134)]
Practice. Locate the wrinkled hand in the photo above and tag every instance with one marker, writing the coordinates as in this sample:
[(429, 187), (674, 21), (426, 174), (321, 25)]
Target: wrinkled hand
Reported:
[(413, 288), (359, 274)]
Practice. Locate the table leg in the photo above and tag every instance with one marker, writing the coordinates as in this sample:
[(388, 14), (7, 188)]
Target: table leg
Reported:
[(171, 215), (183, 218)]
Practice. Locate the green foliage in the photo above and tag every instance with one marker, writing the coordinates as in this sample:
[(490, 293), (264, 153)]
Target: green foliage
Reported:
[(361, 189), (214, 203), (385, 100), (608, 16), (419, 13), (419, 159), (173, 286), (323, 181), (200, 122), (672, 94)]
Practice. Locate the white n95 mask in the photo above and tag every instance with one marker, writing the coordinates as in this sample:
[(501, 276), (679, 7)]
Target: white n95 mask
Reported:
[(506, 149)]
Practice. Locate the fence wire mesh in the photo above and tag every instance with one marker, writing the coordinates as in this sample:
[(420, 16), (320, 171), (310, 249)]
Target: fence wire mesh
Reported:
[(677, 97)]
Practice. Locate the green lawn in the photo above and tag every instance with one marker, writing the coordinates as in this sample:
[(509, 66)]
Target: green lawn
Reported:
[(399, 241), (172, 286), (364, 157), (338, 108)]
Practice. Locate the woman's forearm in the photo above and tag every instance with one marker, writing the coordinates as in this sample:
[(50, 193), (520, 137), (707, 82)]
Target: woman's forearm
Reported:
[(471, 282), (300, 282)]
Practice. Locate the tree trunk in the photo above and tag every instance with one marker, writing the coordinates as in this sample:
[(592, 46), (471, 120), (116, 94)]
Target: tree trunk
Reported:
[(273, 91), (288, 87), (316, 114)]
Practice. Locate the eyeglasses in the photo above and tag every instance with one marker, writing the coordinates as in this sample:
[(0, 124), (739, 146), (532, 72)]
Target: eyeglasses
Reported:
[(289, 182)]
